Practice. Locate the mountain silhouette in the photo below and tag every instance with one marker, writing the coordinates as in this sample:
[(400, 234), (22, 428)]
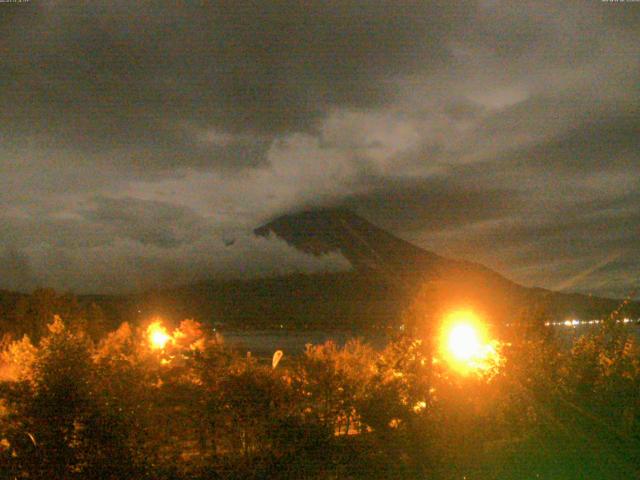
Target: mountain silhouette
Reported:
[(366, 246), (390, 281), (444, 283)]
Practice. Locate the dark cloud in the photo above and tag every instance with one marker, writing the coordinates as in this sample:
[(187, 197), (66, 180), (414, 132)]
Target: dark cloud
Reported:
[(101, 79), (15, 270), (596, 145), (149, 222), (124, 245), (136, 137), (431, 204), (589, 246)]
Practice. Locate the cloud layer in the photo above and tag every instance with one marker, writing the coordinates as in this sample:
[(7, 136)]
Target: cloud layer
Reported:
[(138, 140)]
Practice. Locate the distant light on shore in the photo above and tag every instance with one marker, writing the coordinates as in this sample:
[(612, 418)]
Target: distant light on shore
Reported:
[(576, 322)]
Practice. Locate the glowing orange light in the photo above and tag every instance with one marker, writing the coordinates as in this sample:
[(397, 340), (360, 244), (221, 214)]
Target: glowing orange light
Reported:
[(464, 343), (158, 336)]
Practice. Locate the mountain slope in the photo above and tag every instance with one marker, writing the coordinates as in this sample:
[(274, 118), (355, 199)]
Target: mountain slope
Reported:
[(365, 245), (444, 283), (389, 277)]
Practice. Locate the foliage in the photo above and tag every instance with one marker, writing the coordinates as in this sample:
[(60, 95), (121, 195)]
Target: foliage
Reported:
[(192, 407)]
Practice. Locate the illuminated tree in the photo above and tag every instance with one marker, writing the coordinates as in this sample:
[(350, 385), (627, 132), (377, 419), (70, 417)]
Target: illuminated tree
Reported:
[(332, 380), (68, 424)]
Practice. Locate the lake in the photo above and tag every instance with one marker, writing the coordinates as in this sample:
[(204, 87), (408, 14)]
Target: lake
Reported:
[(263, 343)]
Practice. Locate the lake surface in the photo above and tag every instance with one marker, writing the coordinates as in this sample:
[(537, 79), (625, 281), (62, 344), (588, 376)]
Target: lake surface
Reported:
[(291, 342), (263, 343)]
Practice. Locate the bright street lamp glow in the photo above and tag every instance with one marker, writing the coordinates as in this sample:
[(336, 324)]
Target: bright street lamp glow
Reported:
[(158, 336), (464, 343)]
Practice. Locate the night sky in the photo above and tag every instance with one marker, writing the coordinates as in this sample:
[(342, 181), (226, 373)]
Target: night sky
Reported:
[(138, 139)]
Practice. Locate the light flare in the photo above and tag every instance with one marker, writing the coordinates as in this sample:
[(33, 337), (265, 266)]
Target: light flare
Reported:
[(465, 345), (158, 336)]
